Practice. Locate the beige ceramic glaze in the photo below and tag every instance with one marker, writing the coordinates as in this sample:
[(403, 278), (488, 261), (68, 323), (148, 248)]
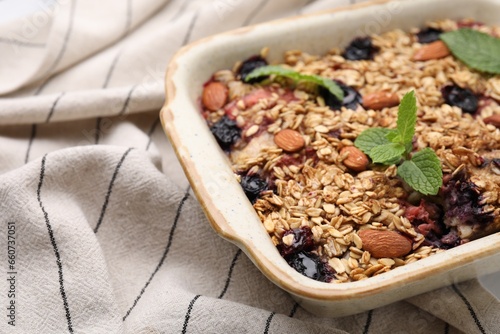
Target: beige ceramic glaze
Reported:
[(225, 204)]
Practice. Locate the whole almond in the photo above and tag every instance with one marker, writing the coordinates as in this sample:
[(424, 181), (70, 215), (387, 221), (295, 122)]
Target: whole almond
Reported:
[(494, 120), (356, 159), (289, 140), (385, 244), (434, 50), (214, 96), (380, 100)]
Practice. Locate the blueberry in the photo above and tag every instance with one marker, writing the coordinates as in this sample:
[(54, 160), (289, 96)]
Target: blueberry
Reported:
[(310, 265), (463, 98), (302, 240), (249, 65), (351, 98), (253, 185), (226, 132), (359, 49), (428, 35), (463, 202)]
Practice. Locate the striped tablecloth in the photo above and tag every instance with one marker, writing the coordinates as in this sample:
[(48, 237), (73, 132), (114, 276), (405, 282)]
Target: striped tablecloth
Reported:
[(105, 235)]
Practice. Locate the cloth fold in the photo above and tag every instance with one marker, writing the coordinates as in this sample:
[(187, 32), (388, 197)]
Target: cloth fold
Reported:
[(106, 235)]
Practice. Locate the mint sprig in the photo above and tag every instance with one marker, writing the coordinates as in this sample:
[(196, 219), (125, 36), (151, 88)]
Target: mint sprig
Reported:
[(297, 77), (421, 170), (476, 49)]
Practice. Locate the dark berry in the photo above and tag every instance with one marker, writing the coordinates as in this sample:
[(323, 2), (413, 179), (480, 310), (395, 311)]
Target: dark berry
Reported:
[(428, 35), (310, 265), (463, 202), (351, 98), (249, 65), (253, 185), (463, 98), (302, 241), (226, 132), (359, 49)]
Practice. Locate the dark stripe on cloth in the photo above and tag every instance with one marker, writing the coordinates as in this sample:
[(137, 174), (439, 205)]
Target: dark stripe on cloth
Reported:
[(188, 314), (368, 322), (181, 10), (446, 328), (230, 273), (61, 52), (151, 131), (51, 112), (470, 308), (294, 309), (254, 12), (21, 43), (128, 20), (187, 37), (30, 143), (127, 100), (66, 37), (268, 322), (110, 189), (167, 248), (111, 69), (54, 246), (97, 130)]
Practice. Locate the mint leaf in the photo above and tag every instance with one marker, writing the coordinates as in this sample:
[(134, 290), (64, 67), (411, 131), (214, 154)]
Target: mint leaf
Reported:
[(476, 49), (371, 138), (407, 118), (394, 137), (423, 172), (296, 76), (272, 69), (387, 153)]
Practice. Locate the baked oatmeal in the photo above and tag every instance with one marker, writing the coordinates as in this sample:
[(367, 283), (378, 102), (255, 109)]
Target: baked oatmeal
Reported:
[(332, 213)]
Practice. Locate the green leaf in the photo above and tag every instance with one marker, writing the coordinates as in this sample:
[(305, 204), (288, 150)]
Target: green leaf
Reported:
[(371, 138), (394, 137), (296, 76), (387, 153), (423, 172), (407, 118), (476, 49)]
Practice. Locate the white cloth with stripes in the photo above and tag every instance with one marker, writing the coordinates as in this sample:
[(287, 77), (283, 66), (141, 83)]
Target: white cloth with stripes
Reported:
[(108, 237)]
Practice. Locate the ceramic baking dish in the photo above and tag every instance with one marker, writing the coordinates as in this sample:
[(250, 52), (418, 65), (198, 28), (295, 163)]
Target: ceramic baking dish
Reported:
[(225, 204)]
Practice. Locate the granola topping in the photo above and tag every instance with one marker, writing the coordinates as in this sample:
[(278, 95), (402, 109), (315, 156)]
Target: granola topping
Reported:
[(333, 214)]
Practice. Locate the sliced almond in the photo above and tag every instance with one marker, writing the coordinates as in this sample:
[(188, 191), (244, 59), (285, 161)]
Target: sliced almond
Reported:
[(214, 96), (385, 244), (356, 159), (289, 140), (380, 100), (493, 120), (434, 50)]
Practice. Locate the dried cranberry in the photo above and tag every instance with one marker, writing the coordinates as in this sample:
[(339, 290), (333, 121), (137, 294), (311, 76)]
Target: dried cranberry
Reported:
[(359, 49), (249, 65), (428, 35), (226, 132), (463, 98), (310, 265), (253, 185), (351, 97), (302, 241)]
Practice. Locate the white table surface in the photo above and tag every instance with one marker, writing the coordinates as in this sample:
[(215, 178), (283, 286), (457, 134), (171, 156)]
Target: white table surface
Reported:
[(13, 9)]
